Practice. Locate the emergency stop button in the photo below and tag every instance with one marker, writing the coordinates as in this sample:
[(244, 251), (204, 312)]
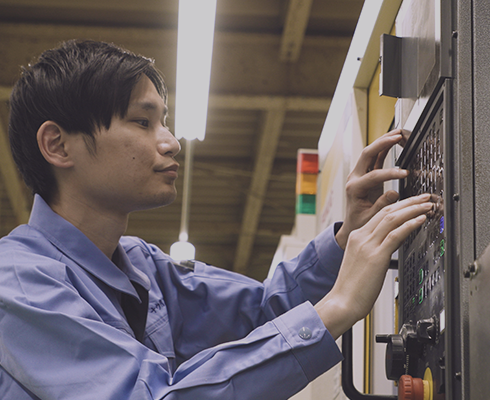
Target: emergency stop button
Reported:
[(413, 388)]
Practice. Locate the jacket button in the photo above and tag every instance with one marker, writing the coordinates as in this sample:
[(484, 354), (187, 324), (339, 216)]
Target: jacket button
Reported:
[(305, 333)]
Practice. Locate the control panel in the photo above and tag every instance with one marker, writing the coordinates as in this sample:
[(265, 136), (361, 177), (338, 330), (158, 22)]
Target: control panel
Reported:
[(415, 356)]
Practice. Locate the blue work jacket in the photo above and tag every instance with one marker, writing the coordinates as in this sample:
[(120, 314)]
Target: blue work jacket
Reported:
[(210, 333)]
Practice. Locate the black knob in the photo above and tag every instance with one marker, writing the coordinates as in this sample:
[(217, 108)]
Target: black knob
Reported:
[(395, 355), (395, 358), (383, 338), (402, 351)]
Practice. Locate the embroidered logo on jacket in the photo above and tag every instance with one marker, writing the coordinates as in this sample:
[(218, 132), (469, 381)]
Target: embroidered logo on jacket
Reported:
[(155, 307)]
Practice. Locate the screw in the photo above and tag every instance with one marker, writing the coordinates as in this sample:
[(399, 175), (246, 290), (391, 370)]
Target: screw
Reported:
[(455, 34), (456, 197), (471, 270)]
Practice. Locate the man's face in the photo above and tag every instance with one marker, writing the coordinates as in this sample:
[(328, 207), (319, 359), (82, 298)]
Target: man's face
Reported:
[(133, 167)]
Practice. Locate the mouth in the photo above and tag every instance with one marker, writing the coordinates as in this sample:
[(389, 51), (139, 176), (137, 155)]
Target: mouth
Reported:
[(173, 167), (171, 170)]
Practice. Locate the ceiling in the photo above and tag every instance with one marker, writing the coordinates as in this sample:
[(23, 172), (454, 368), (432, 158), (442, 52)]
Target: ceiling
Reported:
[(275, 68)]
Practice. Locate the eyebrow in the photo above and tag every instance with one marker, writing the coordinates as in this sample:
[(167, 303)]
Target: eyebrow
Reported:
[(149, 106)]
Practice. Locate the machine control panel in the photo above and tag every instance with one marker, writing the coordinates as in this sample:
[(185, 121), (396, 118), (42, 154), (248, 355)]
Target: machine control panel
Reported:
[(415, 356)]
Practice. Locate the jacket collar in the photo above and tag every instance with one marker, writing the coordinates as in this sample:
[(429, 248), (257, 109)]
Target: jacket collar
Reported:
[(75, 245)]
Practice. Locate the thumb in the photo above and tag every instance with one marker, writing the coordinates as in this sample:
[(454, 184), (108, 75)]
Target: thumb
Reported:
[(385, 199)]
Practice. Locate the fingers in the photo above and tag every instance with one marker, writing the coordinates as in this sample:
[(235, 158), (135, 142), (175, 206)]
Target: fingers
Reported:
[(358, 187), (384, 200), (389, 221), (373, 156), (396, 237), (406, 135), (380, 160)]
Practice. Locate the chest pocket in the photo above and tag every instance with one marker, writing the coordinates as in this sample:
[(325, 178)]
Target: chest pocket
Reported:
[(158, 330)]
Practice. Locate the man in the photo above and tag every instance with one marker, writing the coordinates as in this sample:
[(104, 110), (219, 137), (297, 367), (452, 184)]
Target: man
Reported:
[(86, 313)]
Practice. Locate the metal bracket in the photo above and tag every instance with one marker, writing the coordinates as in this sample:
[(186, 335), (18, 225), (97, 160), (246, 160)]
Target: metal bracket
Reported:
[(390, 82)]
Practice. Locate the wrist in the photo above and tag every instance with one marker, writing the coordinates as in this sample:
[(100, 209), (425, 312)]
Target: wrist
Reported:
[(335, 315), (341, 237)]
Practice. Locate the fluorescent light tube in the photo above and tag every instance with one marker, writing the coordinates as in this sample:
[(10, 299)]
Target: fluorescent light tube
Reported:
[(194, 53)]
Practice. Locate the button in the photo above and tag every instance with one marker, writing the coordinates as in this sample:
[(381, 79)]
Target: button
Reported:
[(413, 389), (305, 333)]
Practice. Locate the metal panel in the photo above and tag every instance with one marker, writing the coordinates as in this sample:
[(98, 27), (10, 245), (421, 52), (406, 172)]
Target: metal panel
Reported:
[(464, 189), (479, 287), (481, 57)]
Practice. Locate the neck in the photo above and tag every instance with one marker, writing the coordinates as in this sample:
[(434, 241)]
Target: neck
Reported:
[(103, 227)]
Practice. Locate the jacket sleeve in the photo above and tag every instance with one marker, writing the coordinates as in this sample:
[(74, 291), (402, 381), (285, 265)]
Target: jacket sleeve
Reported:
[(309, 276), (227, 306)]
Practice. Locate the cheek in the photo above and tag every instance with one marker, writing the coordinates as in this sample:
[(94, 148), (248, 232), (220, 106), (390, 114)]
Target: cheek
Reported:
[(139, 162), (129, 158)]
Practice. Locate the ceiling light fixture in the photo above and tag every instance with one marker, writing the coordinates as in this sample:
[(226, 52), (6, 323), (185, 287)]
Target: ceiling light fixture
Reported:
[(194, 53)]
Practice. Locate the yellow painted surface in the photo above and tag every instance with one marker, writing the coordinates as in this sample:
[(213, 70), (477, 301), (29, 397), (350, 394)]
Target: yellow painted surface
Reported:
[(368, 352)]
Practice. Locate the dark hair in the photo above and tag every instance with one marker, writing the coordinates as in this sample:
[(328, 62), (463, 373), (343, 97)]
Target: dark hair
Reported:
[(81, 86)]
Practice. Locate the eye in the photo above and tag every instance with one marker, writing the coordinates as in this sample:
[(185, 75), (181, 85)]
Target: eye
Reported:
[(143, 122)]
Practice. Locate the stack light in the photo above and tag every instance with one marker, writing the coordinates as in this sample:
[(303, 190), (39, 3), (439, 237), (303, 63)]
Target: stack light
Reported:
[(306, 181)]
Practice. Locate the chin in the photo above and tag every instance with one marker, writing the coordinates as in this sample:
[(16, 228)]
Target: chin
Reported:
[(156, 200), (163, 200)]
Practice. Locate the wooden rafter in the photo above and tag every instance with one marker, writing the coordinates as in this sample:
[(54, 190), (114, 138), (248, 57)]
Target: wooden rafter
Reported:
[(297, 17), (271, 131), (256, 102)]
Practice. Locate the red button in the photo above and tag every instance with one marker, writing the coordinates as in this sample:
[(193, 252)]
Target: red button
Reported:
[(410, 388)]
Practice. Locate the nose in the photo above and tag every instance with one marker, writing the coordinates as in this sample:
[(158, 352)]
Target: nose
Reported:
[(167, 143)]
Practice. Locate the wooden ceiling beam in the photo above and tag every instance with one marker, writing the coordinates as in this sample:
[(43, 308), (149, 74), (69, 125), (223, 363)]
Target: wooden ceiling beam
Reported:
[(262, 102), (245, 102), (290, 103), (242, 63), (297, 17), (271, 131)]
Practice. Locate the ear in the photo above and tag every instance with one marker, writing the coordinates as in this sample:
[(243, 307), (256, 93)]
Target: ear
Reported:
[(51, 139)]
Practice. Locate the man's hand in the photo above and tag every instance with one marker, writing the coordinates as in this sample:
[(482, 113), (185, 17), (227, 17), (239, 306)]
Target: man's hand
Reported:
[(364, 188), (366, 260)]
